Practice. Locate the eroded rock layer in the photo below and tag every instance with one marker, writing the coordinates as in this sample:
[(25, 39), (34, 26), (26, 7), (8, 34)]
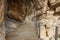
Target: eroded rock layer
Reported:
[(20, 22)]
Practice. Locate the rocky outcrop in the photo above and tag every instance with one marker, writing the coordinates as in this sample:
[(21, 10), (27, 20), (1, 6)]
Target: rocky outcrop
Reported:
[(20, 24)]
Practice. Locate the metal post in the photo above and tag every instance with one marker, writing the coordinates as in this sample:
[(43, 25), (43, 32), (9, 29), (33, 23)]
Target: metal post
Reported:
[(5, 7), (56, 29), (35, 22), (39, 30), (37, 25), (5, 13), (56, 33)]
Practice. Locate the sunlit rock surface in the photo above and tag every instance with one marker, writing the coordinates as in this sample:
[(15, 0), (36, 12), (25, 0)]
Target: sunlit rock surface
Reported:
[(20, 24)]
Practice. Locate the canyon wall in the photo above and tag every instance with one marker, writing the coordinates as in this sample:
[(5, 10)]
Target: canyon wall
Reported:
[(30, 20)]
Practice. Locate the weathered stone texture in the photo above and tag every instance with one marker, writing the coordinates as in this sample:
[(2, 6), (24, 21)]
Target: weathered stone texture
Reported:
[(20, 19)]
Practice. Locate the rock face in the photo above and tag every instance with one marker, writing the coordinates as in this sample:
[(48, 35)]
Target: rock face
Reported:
[(20, 23), (1, 11), (25, 32)]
